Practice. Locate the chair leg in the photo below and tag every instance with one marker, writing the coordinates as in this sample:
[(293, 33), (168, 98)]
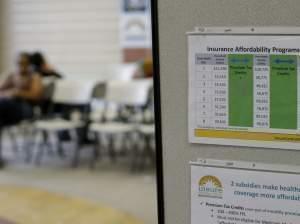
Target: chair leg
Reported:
[(40, 146), (111, 148), (28, 143), (147, 152), (151, 150), (125, 142), (123, 145), (28, 153), (49, 144), (74, 138), (60, 149), (134, 157), (96, 150), (14, 142)]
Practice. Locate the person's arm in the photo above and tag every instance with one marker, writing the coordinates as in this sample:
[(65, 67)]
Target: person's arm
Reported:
[(35, 91), (6, 83), (54, 74), (7, 87), (51, 72)]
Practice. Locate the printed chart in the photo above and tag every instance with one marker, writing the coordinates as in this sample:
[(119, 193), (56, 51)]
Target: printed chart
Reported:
[(244, 93)]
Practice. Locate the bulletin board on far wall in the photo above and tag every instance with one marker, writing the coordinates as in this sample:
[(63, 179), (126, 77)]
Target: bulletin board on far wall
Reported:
[(221, 23)]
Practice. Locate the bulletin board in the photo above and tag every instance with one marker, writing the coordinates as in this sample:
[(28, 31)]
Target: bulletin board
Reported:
[(172, 20)]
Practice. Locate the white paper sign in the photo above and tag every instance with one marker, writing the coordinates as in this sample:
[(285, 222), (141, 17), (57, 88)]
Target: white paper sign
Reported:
[(244, 90), (242, 196), (135, 24)]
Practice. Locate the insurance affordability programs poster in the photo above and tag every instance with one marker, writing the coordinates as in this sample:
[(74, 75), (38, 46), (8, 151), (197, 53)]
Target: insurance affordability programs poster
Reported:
[(244, 90)]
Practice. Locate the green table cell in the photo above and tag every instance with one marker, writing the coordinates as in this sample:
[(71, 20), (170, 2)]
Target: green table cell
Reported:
[(240, 90), (283, 92)]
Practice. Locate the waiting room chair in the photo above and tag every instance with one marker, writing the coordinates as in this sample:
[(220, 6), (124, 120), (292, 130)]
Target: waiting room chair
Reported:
[(122, 72), (133, 94), (74, 96), (21, 134), (146, 135)]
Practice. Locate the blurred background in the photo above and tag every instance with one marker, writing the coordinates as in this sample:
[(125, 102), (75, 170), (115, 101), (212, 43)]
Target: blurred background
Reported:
[(76, 112)]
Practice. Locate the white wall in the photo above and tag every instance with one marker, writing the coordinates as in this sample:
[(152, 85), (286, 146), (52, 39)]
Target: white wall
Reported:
[(1, 37), (78, 36)]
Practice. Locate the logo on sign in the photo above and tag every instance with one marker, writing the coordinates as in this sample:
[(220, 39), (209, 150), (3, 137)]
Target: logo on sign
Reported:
[(210, 186)]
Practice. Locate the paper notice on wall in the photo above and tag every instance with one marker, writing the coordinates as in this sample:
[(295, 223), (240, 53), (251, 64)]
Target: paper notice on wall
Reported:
[(135, 24), (241, 196), (244, 90)]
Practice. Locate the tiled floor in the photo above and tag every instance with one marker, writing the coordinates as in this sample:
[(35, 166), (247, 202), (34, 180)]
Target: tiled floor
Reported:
[(109, 184)]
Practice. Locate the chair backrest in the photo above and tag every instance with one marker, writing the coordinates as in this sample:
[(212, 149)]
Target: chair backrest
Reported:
[(124, 72), (73, 92), (130, 93), (99, 90), (48, 89)]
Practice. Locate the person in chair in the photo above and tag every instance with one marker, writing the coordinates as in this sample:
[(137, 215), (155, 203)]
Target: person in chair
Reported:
[(18, 92)]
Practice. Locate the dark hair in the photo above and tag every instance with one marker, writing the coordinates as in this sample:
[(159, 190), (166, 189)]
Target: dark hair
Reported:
[(37, 60)]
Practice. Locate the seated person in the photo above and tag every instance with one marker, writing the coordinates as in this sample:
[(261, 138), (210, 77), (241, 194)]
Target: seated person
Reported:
[(146, 69), (40, 66), (18, 91)]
